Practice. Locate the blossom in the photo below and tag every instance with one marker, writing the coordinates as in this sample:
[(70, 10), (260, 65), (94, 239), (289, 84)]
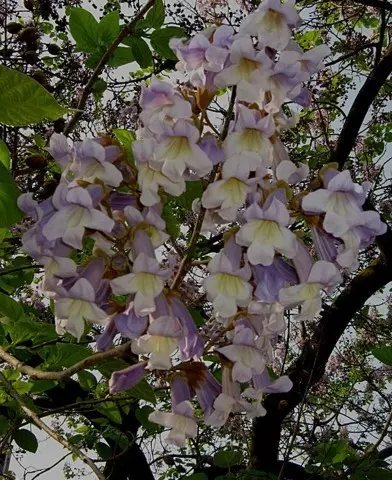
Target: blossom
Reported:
[(264, 384), (246, 67), (272, 23), (247, 358), (149, 221), (127, 378), (227, 285), (150, 177), (161, 98), (228, 194), (160, 341), (177, 149), (266, 232), (322, 275), (190, 343), (249, 141), (75, 212), (146, 282), (199, 55), (76, 305), (290, 173), (91, 162), (181, 420)]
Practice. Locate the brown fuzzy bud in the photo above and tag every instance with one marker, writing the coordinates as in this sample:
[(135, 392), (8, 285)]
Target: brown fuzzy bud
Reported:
[(14, 27), (54, 49), (29, 4), (36, 162), (31, 57), (29, 34)]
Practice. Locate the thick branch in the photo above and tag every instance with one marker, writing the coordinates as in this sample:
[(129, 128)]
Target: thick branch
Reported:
[(117, 352), (127, 30), (360, 108), (376, 4), (310, 365)]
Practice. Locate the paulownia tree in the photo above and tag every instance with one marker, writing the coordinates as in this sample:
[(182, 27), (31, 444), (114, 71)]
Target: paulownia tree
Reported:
[(194, 234)]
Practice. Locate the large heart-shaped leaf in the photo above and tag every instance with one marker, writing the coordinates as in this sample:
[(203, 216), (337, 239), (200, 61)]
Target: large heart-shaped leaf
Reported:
[(24, 101)]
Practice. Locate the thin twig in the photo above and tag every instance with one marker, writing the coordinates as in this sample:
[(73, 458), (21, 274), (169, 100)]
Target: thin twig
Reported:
[(40, 424), (184, 264), (127, 30), (45, 470), (116, 352)]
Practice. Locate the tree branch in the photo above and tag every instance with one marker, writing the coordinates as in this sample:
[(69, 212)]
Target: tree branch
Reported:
[(42, 425), (117, 352), (376, 4), (127, 30), (310, 365), (360, 108)]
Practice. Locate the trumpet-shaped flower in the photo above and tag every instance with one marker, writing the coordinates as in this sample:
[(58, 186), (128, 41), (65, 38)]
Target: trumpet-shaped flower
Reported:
[(146, 282), (290, 173), (181, 421), (160, 341), (272, 22), (228, 194), (250, 139), (127, 378), (150, 222), (246, 67), (323, 275), (91, 163), (76, 305), (150, 177), (266, 232), (177, 149), (75, 213), (161, 98), (247, 358), (227, 286)]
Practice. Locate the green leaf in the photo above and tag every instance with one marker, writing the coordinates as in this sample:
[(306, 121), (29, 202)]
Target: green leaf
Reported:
[(26, 440), (15, 279), (103, 450), (141, 52), (193, 190), (40, 386), (142, 415), (126, 138), (23, 331), (4, 424), (109, 28), (99, 87), (87, 380), (122, 56), (24, 101), (5, 157), (84, 29), (156, 16), (378, 474), (227, 458), (384, 354), (9, 210), (10, 308), (143, 391), (22, 387), (160, 40), (111, 411), (197, 317), (64, 354), (111, 365), (172, 225)]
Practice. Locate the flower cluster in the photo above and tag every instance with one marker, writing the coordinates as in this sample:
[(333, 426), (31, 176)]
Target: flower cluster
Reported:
[(111, 209)]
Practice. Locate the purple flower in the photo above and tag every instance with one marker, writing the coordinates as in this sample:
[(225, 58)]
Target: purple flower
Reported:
[(127, 378)]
